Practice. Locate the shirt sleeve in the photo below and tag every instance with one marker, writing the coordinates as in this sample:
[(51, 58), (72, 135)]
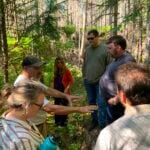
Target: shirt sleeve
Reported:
[(46, 101)]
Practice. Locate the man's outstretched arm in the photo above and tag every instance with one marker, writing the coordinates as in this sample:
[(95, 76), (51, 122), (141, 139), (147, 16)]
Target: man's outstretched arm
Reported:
[(57, 94), (64, 110)]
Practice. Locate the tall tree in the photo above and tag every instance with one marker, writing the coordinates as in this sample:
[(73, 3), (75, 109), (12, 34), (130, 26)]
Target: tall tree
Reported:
[(115, 17), (4, 41), (147, 53), (84, 27)]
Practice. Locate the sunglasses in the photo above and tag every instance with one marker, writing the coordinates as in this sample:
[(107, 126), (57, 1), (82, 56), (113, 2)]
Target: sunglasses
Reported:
[(91, 38), (39, 105)]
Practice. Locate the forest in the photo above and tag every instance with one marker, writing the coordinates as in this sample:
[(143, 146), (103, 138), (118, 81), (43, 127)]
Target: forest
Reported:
[(50, 28)]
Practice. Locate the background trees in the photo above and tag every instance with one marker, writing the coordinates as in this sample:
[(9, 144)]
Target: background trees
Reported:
[(49, 28)]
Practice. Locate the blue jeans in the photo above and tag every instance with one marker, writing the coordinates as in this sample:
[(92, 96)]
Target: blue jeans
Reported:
[(102, 110), (92, 90)]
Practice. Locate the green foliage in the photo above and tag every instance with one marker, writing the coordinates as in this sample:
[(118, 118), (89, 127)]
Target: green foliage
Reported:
[(64, 46), (74, 146), (49, 27), (1, 80), (25, 42), (118, 28), (45, 25), (17, 50), (49, 72), (69, 30), (147, 61), (106, 28), (18, 46), (11, 41)]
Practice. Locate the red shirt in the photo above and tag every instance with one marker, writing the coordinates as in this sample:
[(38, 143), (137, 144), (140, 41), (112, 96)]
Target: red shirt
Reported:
[(67, 79)]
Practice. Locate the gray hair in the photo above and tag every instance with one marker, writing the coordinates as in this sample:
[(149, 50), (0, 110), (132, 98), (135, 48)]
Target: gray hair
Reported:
[(26, 91)]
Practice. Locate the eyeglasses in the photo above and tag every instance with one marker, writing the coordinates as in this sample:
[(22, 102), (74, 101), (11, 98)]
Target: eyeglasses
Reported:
[(39, 105), (90, 38)]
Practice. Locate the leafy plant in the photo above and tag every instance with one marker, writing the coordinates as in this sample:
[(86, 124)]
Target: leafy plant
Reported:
[(64, 46), (69, 30)]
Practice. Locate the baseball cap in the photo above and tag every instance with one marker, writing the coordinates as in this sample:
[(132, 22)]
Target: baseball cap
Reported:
[(32, 61)]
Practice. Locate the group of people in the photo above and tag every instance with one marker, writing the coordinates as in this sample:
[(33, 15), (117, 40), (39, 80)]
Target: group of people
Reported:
[(121, 89), (23, 125), (113, 81), (101, 62)]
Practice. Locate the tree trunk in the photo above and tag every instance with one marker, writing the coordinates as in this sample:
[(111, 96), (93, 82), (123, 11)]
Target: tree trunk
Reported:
[(84, 28), (147, 52), (4, 41), (115, 17)]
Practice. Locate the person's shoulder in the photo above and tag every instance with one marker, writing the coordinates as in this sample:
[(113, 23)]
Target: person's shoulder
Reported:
[(128, 57), (103, 47), (68, 73), (116, 125), (19, 79), (89, 47), (68, 70)]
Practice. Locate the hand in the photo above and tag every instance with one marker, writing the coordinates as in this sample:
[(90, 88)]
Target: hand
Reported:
[(88, 109), (113, 101), (66, 90)]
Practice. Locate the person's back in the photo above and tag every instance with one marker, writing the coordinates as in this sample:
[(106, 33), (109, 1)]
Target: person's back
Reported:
[(128, 132)]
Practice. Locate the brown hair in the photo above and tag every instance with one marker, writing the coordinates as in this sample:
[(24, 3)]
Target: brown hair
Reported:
[(134, 81), (58, 71)]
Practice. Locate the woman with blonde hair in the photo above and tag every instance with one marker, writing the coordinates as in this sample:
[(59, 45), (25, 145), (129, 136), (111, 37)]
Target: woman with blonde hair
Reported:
[(63, 82), (24, 101)]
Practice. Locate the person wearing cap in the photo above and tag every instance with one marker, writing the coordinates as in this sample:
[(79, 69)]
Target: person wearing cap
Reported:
[(96, 59), (32, 70)]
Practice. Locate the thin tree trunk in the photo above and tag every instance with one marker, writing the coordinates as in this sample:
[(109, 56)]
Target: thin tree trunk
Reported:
[(84, 28), (115, 17), (147, 52), (141, 38), (15, 20), (4, 41)]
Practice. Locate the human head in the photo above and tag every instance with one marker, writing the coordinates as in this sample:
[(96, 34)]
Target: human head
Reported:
[(93, 37), (33, 66), (59, 66), (133, 82), (27, 96), (116, 45)]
